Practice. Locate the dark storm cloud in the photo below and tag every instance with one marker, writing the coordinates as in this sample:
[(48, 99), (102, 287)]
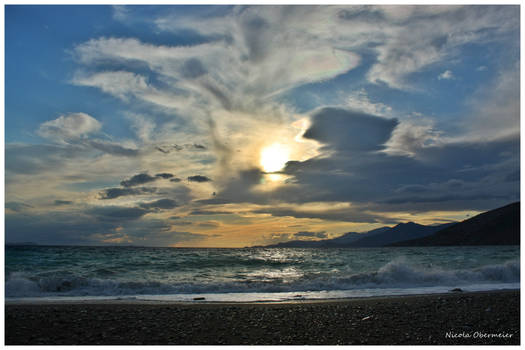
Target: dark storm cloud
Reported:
[(62, 202), (321, 234), (138, 179), (343, 129), (115, 192), (164, 175), (159, 204), (356, 169), (198, 178)]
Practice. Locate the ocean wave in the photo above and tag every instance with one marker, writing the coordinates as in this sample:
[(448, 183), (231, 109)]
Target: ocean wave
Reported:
[(395, 274)]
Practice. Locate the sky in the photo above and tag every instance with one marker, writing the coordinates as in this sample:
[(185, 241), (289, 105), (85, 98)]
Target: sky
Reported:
[(233, 126)]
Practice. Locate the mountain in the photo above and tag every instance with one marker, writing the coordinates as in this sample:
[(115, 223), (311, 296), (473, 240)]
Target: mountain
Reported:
[(400, 232), (495, 227), (342, 241), (376, 238)]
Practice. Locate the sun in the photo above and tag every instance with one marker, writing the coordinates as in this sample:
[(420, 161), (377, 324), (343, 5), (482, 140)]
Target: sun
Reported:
[(274, 157)]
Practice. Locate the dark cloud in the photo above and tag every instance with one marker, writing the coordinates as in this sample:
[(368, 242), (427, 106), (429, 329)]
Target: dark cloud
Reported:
[(193, 68), (514, 176), (160, 204), (95, 226), (17, 206), (321, 234), (354, 214), (198, 178), (162, 150), (37, 159), (112, 148), (209, 212), (166, 149), (111, 193), (356, 168), (350, 130), (197, 146), (176, 179), (118, 213), (62, 202), (239, 189), (209, 224), (182, 223), (138, 179), (164, 175), (255, 31), (74, 227), (220, 94)]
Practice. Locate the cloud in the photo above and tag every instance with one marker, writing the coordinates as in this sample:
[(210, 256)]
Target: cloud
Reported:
[(138, 179), (38, 159), (176, 179), (118, 213), (425, 35), (199, 178), (209, 224), (115, 192), (69, 127), (446, 75), (345, 129), (112, 148), (17, 206), (164, 175), (62, 202), (494, 108), (410, 137), (99, 225), (159, 204), (76, 129)]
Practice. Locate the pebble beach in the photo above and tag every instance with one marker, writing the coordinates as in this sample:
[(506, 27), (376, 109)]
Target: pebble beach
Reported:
[(456, 318)]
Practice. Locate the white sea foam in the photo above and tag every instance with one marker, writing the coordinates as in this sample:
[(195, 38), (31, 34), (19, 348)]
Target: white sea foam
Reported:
[(397, 276)]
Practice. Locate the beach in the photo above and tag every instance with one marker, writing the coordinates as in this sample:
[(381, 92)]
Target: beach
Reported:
[(458, 318)]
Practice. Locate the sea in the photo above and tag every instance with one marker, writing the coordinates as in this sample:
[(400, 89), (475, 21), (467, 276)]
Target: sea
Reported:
[(73, 273)]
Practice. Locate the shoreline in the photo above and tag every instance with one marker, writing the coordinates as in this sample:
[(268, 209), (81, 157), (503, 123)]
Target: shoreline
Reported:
[(138, 301), (460, 318)]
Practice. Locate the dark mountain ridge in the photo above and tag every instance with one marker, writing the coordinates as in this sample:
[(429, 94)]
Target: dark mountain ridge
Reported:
[(500, 226)]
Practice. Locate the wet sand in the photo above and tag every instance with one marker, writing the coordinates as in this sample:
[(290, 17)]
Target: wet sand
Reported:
[(454, 318)]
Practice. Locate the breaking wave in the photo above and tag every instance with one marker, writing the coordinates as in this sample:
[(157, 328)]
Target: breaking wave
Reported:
[(395, 274)]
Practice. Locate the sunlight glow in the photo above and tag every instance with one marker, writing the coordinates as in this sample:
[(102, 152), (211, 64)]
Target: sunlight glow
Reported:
[(274, 157)]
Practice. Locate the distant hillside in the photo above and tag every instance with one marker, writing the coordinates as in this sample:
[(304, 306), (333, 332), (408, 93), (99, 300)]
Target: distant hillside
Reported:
[(400, 232), (341, 241), (375, 238), (495, 227)]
